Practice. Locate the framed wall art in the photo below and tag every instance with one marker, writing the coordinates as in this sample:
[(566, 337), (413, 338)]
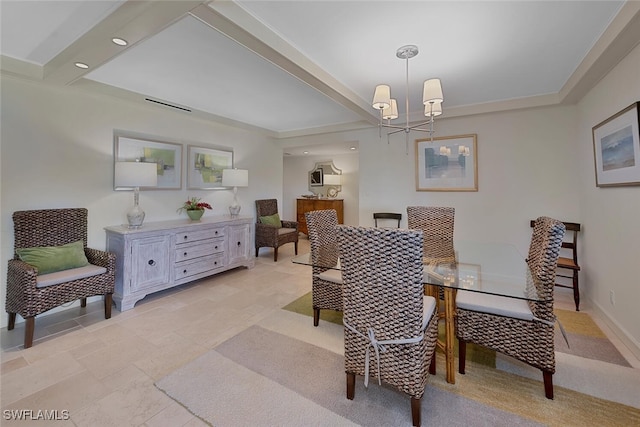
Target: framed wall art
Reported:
[(166, 155), (616, 149), (205, 165), (448, 163)]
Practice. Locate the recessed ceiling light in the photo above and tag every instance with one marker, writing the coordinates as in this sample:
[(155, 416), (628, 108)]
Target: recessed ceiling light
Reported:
[(82, 65), (352, 148), (119, 41), (305, 152)]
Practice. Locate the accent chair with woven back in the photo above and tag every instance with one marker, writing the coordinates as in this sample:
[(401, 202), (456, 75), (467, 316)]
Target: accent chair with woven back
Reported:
[(52, 265), (271, 230)]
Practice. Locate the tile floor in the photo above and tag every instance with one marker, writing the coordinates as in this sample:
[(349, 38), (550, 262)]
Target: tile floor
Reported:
[(102, 372)]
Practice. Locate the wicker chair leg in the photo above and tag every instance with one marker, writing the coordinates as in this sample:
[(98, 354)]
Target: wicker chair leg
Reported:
[(12, 321), (415, 411), (316, 316), (462, 355), (275, 254), (351, 385), (295, 244), (83, 302), (548, 384), (432, 365), (108, 302), (30, 325), (257, 249)]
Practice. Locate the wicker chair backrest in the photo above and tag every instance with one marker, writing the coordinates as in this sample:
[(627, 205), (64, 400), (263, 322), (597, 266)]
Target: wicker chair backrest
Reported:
[(323, 236), (266, 207), (544, 250), (49, 227), (382, 276)]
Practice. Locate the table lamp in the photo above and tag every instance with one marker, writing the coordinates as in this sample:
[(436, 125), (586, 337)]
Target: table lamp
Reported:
[(235, 178), (135, 175), (335, 181)]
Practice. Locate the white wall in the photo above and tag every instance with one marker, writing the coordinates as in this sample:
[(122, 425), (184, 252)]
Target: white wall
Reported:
[(296, 169), (57, 151), (611, 215)]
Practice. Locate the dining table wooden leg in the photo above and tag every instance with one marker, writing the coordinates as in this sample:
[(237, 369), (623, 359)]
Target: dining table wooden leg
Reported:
[(449, 324)]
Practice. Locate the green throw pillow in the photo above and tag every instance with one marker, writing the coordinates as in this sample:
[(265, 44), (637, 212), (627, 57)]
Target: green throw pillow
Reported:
[(271, 220), (50, 259)]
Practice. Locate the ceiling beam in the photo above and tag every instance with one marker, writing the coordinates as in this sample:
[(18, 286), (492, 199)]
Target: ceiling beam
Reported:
[(234, 22)]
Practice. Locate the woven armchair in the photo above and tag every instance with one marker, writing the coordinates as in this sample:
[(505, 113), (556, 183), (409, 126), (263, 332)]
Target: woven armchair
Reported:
[(386, 312), (271, 236), (25, 294), (519, 328), (326, 285)]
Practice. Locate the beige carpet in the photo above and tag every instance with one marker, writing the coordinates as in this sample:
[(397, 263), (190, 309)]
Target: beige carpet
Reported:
[(295, 376)]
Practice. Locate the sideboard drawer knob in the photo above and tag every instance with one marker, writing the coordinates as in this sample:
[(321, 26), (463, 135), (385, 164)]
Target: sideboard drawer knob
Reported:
[(238, 243), (185, 254), (152, 262), (184, 271)]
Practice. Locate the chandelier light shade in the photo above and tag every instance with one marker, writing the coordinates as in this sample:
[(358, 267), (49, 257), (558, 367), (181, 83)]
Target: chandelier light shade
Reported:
[(432, 92), (235, 178), (432, 98), (382, 97), (391, 112), (431, 109), (135, 175)]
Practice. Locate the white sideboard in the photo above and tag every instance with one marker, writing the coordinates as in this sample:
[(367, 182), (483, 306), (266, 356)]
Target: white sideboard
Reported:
[(160, 255)]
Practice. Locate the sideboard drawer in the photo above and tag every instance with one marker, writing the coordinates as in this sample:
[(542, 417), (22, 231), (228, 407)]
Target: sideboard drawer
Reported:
[(202, 264), (193, 236), (198, 249)]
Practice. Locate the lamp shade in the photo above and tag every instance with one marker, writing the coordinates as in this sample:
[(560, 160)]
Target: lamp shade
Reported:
[(332, 180), (391, 112), (432, 109), (135, 174), (432, 91), (382, 97), (235, 177)]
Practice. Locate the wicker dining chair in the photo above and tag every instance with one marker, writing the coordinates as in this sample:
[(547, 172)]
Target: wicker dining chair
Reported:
[(519, 328), (390, 326), (29, 293), (273, 235), (437, 225), (326, 285)]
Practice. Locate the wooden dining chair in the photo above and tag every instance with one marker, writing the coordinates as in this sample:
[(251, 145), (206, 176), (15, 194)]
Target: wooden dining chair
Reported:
[(385, 309), (522, 329), (326, 282), (568, 261), (387, 216)]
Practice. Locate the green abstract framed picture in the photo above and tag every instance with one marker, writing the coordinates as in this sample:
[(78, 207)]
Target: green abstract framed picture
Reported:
[(205, 165), (166, 155)]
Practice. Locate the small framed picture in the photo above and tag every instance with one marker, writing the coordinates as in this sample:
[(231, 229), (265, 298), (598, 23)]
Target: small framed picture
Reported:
[(205, 165), (166, 155), (616, 149), (316, 177)]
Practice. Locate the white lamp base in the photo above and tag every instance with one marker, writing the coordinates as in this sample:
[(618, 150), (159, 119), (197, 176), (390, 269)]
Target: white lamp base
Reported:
[(135, 216)]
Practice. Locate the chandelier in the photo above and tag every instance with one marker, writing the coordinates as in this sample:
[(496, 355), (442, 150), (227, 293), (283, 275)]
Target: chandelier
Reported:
[(388, 107)]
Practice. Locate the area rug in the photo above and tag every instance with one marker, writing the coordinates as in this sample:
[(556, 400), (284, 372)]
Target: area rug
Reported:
[(263, 378), (585, 338)]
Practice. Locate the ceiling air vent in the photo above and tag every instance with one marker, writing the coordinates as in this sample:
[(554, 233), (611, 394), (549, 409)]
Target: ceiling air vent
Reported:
[(155, 101)]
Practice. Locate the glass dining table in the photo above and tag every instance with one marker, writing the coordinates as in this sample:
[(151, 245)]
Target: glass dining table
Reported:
[(485, 267)]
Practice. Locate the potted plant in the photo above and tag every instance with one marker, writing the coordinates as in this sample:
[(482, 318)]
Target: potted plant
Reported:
[(194, 208)]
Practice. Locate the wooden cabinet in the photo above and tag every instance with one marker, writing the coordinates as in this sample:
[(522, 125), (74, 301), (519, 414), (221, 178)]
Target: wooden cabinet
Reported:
[(164, 254), (307, 205)]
